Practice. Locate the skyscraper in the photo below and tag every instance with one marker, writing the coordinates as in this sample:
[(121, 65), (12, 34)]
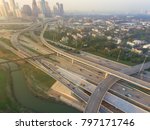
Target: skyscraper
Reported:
[(7, 6), (55, 11), (43, 7), (12, 7), (26, 11), (58, 9), (61, 9), (39, 6), (3, 11), (18, 11), (48, 10), (35, 9)]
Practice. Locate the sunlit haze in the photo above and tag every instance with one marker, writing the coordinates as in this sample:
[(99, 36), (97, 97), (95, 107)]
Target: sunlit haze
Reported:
[(124, 6)]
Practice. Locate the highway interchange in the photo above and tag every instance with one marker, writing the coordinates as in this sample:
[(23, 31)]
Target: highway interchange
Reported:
[(102, 84)]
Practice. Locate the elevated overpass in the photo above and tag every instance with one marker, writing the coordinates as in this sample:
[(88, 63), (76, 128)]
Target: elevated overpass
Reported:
[(74, 58), (108, 71), (99, 93), (21, 52), (114, 76)]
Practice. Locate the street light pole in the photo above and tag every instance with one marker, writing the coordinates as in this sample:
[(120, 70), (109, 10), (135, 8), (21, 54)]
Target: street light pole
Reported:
[(143, 65), (119, 55)]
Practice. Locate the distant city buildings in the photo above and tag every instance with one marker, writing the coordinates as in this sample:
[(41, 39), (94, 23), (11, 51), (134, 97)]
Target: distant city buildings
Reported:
[(38, 8), (58, 9), (12, 6), (10, 9), (18, 11), (7, 7), (26, 11), (35, 10), (44, 9), (3, 11), (48, 10)]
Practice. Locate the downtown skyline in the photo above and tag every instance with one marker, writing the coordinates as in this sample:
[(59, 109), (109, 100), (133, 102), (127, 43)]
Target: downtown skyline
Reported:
[(37, 9), (98, 6)]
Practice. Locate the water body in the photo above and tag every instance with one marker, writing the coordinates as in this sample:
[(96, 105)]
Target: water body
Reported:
[(25, 97)]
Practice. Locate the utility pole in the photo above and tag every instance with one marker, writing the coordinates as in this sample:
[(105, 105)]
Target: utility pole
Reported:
[(119, 55), (143, 65)]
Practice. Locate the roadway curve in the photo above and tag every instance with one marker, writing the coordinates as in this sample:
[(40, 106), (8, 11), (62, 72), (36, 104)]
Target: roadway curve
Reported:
[(96, 98), (107, 70), (15, 41), (98, 95), (21, 52)]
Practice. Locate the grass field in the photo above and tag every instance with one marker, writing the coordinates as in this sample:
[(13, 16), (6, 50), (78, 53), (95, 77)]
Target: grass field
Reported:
[(6, 41), (38, 77), (3, 83), (6, 102)]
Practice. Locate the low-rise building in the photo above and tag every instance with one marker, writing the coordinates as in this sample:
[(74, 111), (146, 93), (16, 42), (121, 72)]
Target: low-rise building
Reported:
[(146, 46), (138, 42), (130, 43), (109, 37), (137, 51)]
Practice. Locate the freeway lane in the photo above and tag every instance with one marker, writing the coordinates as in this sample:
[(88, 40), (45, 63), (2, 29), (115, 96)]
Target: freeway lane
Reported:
[(93, 58), (118, 74), (76, 90), (79, 80), (96, 98), (22, 53), (99, 93)]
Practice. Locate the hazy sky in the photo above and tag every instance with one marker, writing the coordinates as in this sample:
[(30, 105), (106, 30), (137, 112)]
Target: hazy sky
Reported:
[(99, 5)]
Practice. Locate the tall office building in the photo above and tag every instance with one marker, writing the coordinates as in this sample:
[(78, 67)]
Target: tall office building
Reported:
[(55, 10), (3, 11), (61, 9), (18, 11), (12, 6), (58, 9), (7, 6), (26, 11), (35, 10), (39, 6), (43, 7), (48, 10)]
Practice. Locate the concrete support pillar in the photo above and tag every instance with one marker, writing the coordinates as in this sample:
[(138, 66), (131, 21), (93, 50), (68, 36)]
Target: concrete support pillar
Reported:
[(106, 74)]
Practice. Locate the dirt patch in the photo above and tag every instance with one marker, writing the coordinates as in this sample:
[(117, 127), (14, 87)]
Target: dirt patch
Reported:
[(2, 54)]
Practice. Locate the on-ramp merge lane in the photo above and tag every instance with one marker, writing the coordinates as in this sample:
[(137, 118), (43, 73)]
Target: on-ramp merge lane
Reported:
[(99, 93), (96, 98), (21, 52), (118, 74)]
